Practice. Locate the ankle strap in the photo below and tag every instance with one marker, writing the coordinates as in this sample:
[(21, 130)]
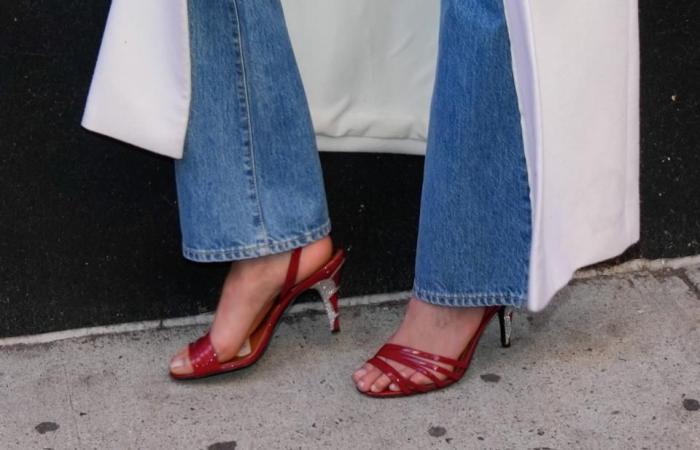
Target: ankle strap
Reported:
[(292, 271)]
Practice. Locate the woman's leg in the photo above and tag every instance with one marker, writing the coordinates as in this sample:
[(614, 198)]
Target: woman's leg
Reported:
[(474, 232), (250, 186)]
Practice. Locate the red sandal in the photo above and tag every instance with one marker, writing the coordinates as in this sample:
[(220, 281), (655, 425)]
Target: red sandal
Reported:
[(424, 362), (325, 281)]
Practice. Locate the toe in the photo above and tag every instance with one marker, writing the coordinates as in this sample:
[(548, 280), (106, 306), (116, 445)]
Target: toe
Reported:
[(180, 364), (359, 373), (405, 373), (419, 378), (381, 383), (365, 383)]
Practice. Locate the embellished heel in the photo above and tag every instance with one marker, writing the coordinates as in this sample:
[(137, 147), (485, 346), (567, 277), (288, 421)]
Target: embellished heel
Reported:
[(505, 320), (328, 291)]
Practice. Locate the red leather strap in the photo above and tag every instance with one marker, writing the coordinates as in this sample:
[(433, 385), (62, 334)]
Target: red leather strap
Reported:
[(203, 356), (292, 270), (430, 365), (405, 385), (416, 363), (421, 362), (400, 349), (429, 374)]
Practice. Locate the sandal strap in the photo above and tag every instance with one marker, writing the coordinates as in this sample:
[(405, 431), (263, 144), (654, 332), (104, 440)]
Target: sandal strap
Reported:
[(405, 385), (426, 367), (408, 351), (292, 271), (411, 358), (202, 355), (429, 373), (428, 364)]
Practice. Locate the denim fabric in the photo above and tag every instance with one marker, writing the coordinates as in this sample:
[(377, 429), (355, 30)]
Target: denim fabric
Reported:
[(475, 221), (250, 182)]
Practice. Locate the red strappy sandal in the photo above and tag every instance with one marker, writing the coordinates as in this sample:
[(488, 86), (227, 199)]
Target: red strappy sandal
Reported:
[(325, 281), (424, 363)]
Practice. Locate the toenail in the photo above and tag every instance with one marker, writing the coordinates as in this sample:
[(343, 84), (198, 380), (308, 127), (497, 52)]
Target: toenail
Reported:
[(375, 388), (177, 363), (361, 373)]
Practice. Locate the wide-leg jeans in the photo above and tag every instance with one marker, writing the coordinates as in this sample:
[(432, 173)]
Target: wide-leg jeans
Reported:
[(250, 182)]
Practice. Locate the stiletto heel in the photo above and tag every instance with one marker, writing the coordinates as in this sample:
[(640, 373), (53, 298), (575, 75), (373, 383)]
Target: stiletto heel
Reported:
[(328, 291), (505, 320), (426, 363), (325, 281)]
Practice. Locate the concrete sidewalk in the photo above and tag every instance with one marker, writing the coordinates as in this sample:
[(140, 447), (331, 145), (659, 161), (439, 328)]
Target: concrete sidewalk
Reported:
[(613, 363)]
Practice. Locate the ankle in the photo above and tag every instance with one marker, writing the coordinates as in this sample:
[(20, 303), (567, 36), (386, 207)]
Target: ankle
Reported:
[(442, 316), (270, 270), (320, 248), (314, 256)]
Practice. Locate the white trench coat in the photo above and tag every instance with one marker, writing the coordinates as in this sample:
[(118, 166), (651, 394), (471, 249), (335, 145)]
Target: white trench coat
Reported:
[(368, 69)]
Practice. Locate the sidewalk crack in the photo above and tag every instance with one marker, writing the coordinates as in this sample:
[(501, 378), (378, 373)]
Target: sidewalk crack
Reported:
[(683, 276), (72, 407)]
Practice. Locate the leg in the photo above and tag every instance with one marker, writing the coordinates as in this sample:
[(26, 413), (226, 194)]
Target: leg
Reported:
[(474, 232), (250, 185)]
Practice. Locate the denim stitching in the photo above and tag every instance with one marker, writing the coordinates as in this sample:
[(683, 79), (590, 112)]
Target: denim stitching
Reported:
[(254, 251), (474, 299), (243, 86)]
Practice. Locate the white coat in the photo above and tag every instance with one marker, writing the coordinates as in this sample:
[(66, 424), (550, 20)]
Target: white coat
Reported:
[(368, 69)]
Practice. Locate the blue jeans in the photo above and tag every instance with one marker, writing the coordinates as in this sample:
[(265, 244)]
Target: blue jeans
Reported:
[(250, 183)]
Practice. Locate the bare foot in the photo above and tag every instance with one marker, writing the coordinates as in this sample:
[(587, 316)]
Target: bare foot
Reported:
[(247, 295), (441, 330)]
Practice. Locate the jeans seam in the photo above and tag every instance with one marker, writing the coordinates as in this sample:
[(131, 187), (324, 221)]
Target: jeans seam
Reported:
[(251, 137), (256, 250), (471, 299)]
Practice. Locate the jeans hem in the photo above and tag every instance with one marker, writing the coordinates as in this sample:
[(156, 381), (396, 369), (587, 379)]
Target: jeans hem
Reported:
[(471, 299), (255, 251)]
